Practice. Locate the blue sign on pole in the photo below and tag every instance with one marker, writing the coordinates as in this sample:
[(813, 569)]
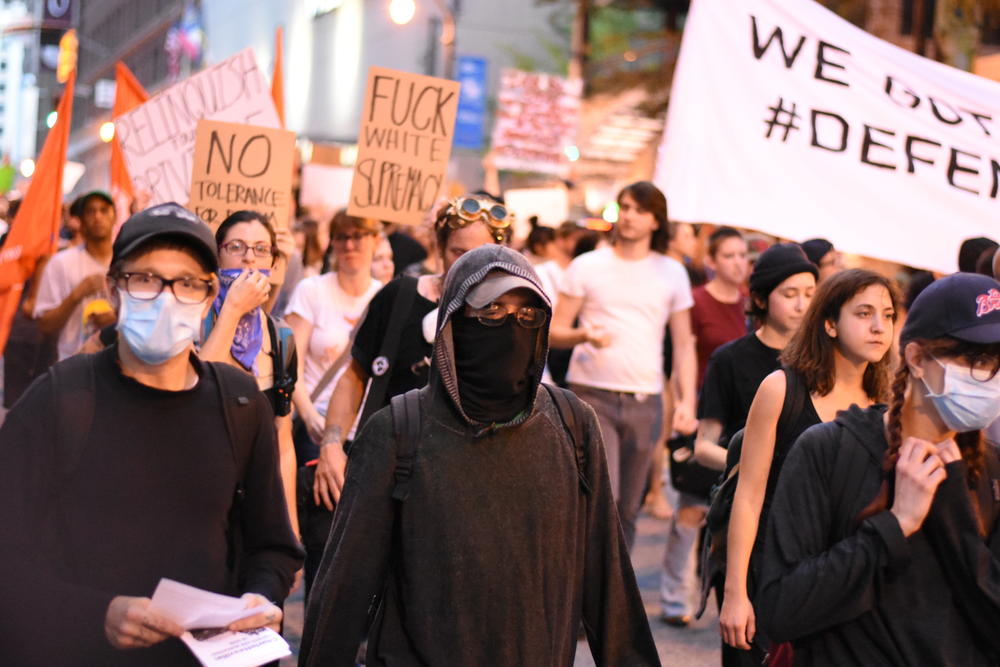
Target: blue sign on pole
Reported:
[(471, 103)]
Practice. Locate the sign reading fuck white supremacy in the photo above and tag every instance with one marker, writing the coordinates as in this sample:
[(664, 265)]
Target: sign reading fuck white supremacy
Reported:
[(786, 118)]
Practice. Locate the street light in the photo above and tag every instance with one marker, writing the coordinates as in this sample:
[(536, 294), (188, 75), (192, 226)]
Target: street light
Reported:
[(27, 167), (402, 11), (107, 131)]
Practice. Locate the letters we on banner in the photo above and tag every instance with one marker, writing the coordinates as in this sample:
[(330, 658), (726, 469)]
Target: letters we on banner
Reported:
[(240, 167), (158, 137), (407, 125), (788, 119)]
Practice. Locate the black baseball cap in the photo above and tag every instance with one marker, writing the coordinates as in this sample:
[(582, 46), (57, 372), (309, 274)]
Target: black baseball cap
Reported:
[(76, 208), (777, 263), (963, 305), (172, 221)]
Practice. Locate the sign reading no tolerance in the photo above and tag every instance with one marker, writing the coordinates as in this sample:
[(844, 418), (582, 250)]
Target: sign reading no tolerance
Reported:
[(787, 119)]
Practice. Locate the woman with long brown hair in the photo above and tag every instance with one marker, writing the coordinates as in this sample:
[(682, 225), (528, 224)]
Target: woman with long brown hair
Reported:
[(882, 545), (838, 357)]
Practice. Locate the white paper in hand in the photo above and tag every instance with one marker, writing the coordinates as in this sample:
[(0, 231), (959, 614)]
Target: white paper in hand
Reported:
[(236, 649), (193, 608)]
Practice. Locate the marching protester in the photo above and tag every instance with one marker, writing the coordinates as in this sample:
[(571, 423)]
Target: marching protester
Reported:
[(781, 285), (617, 362), (240, 332), (392, 348), (826, 258), (323, 311), (156, 465), (881, 542), (383, 265), (840, 356), (482, 523), (972, 250), (72, 297)]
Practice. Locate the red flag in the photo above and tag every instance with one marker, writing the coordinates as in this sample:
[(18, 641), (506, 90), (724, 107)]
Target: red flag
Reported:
[(35, 230), (277, 78), (129, 94)]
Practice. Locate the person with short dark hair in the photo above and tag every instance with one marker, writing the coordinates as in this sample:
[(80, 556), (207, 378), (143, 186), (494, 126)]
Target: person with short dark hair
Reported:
[(486, 531), (971, 250), (138, 463), (72, 299), (826, 258)]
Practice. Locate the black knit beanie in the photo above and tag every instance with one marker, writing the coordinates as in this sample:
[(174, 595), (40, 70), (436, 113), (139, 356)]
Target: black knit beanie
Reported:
[(777, 263)]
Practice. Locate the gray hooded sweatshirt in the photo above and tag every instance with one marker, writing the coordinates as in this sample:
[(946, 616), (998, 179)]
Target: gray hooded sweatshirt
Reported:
[(497, 553)]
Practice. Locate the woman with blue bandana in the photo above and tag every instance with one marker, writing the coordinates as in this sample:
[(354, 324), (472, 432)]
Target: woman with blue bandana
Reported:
[(239, 332)]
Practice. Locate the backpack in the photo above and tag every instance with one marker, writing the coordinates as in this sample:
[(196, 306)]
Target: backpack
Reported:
[(74, 385), (714, 546)]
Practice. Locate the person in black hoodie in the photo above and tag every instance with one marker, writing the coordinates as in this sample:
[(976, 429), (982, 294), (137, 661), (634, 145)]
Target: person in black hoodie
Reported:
[(497, 552), (882, 546)]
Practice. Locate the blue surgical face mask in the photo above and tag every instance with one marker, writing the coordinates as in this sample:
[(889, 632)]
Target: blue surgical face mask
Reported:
[(159, 329), (965, 403)]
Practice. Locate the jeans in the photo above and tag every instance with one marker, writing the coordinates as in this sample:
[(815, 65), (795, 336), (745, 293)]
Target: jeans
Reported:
[(676, 578), (630, 425)]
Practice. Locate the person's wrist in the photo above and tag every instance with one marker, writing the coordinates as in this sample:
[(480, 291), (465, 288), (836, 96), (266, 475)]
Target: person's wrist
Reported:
[(905, 523)]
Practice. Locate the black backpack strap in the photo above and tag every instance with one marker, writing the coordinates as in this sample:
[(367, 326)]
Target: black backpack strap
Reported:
[(388, 351), (571, 414), (238, 413), (73, 388), (406, 425)]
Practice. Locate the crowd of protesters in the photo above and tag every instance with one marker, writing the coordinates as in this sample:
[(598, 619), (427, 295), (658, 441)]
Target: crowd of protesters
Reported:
[(446, 434)]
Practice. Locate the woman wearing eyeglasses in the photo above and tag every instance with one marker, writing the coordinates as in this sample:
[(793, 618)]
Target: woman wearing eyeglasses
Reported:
[(323, 312), (239, 331)]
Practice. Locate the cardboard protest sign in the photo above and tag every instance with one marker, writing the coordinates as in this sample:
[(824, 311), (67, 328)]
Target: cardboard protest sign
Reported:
[(240, 167), (158, 137), (537, 119), (788, 119), (407, 125)]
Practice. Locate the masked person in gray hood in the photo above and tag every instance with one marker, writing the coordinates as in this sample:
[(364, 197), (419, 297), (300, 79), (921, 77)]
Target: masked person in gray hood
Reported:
[(474, 512)]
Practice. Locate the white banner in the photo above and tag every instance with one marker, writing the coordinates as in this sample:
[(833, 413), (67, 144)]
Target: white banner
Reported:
[(786, 118)]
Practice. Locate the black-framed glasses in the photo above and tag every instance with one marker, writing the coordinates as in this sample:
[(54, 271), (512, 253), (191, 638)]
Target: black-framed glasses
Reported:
[(147, 286), (495, 315), (238, 248)]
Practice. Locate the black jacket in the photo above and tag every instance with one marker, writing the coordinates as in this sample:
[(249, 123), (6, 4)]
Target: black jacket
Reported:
[(497, 553), (848, 594)]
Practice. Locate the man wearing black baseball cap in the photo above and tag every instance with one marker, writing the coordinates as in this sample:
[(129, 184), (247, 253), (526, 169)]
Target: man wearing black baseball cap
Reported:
[(137, 463), (72, 299)]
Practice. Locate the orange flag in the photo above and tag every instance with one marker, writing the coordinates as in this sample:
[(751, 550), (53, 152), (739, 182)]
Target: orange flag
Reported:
[(129, 94), (35, 230), (277, 78)]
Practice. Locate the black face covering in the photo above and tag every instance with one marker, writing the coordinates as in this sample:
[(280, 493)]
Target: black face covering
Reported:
[(493, 366)]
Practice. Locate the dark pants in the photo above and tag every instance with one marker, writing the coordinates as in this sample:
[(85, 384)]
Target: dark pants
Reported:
[(630, 424)]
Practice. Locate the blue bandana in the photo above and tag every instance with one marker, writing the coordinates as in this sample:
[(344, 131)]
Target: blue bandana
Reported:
[(249, 336)]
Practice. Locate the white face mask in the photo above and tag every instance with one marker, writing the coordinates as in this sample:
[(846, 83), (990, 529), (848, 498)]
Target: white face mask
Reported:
[(965, 403), (159, 329)]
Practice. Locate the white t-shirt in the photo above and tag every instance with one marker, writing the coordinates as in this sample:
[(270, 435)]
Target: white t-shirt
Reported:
[(550, 274), (631, 300), (333, 313), (66, 270)]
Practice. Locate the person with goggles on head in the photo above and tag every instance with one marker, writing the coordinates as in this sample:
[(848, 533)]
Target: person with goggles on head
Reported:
[(391, 347), (882, 545), (504, 537)]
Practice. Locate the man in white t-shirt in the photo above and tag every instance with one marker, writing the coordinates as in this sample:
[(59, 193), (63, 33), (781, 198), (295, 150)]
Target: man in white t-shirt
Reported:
[(625, 297), (72, 296)]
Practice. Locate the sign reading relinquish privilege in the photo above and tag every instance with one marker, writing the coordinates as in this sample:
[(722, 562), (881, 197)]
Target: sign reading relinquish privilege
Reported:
[(787, 119), (158, 137)]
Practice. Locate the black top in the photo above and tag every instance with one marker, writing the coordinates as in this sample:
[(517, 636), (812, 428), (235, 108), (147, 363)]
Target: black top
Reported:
[(863, 594), (735, 370), (410, 367), (149, 497)]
